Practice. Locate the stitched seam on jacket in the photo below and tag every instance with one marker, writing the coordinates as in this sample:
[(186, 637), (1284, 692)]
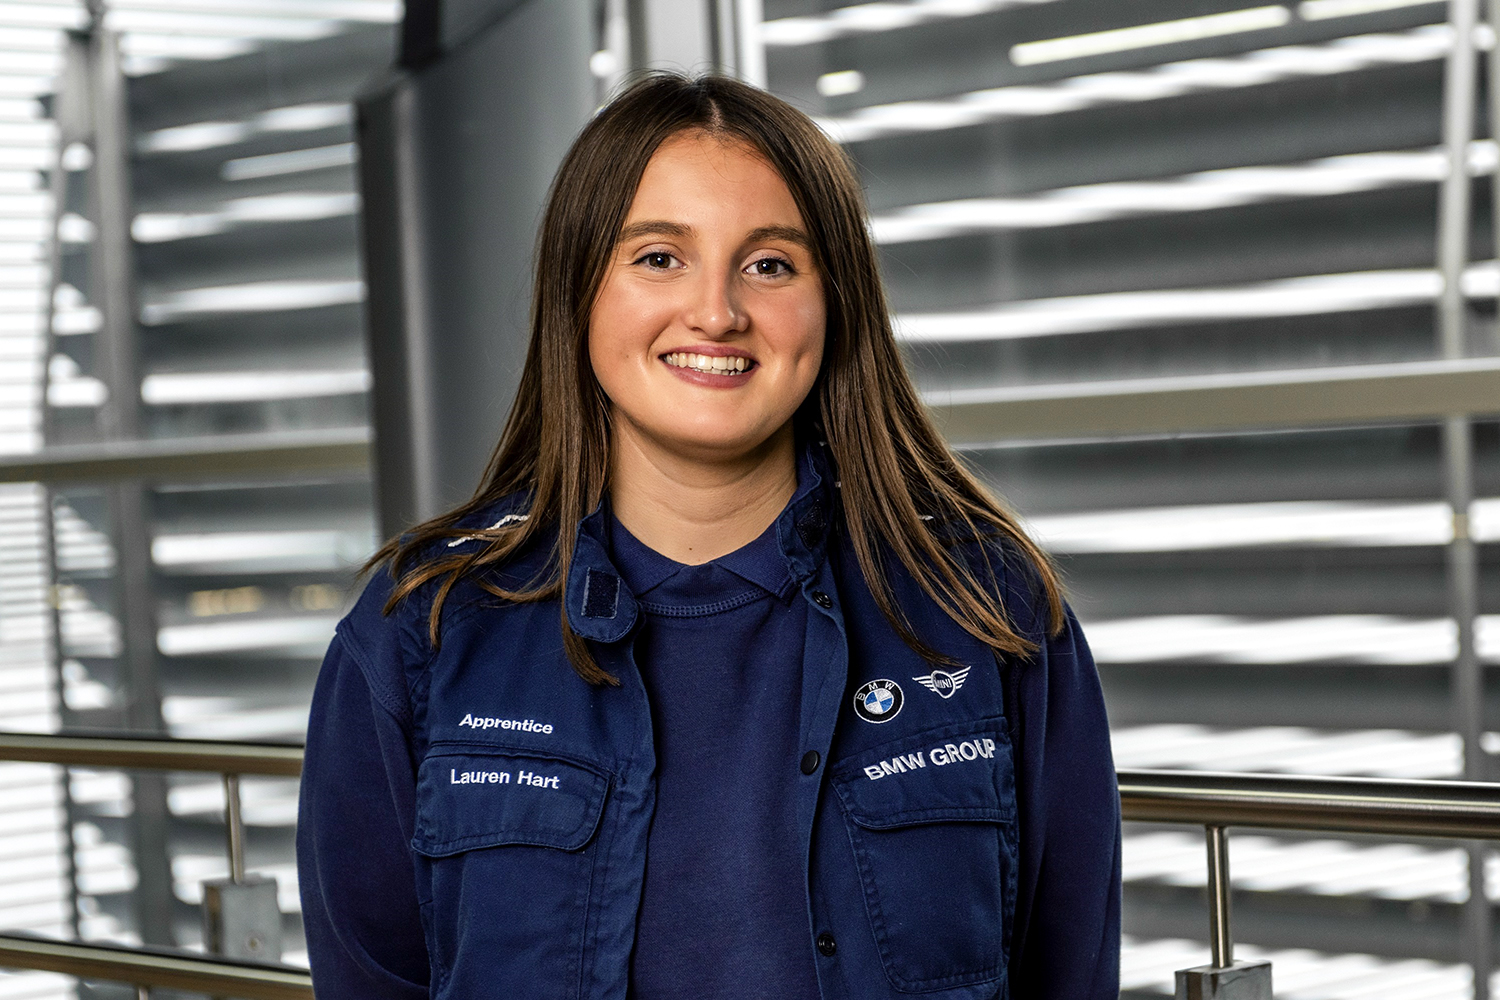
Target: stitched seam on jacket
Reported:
[(394, 700), (589, 933), (876, 914)]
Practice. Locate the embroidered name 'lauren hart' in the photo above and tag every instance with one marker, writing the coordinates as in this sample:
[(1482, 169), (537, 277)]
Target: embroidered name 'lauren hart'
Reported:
[(457, 777)]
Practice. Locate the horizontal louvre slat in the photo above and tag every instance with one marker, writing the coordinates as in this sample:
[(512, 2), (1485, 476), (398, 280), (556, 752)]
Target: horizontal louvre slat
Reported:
[(1384, 393)]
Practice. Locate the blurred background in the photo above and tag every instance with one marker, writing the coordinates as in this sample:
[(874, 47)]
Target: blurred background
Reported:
[(1190, 282)]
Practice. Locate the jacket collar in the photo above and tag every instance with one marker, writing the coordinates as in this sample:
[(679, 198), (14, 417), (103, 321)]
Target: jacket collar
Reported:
[(599, 603)]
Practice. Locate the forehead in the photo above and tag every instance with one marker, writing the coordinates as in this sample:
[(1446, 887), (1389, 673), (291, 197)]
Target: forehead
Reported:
[(694, 175)]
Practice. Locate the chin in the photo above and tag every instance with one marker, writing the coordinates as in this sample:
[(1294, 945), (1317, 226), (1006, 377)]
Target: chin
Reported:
[(713, 440), (717, 446)]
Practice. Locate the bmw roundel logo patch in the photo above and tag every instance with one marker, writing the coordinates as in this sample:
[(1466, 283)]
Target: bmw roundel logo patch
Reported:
[(878, 701)]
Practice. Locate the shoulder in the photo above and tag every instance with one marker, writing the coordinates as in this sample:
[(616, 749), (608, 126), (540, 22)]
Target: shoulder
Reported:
[(1005, 571), (390, 639), (385, 645), (1012, 574), (472, 533)]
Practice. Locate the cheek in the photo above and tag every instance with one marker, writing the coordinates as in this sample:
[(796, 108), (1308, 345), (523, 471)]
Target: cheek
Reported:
[(804, 328), (619, 329), (601, 351), (627, 320)]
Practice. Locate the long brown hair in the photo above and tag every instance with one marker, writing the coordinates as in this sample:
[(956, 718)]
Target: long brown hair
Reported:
[(893, 466)]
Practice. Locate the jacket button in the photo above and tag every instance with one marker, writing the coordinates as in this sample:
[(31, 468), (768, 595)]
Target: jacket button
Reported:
[(827, 945), (823, 601), (810, 761)]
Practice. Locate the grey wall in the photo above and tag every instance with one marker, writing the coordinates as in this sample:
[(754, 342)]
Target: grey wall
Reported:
[(456, 158)]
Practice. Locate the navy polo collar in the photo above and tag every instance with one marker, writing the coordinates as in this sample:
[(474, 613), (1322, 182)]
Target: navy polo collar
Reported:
[(601, 606), (660, 582)]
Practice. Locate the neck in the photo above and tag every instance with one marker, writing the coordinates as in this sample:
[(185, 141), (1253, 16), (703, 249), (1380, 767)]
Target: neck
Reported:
[(692, 510)]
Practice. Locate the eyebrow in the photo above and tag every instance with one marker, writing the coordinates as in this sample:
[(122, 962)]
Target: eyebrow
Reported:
[(661, 227), (654, 227), (791, 234)]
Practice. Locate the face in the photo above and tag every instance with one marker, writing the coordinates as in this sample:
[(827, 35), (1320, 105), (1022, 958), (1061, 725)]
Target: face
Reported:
[(707, 332)]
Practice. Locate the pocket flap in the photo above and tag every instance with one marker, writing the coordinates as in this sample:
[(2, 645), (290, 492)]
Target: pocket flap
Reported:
[(468, 798), (956, 773)]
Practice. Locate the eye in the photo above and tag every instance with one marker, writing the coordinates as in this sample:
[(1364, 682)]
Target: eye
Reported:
[(658, 260), (771, 267)]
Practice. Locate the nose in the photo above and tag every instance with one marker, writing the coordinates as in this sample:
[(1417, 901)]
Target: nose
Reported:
[(716, 310)]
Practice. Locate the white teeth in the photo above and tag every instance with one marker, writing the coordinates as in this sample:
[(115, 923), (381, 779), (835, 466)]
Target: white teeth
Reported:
[(723, 365)]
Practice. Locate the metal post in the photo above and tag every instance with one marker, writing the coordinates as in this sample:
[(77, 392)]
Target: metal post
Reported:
[(71, 112), (240, 914), (1220, 940), (444, 185), (57, 655), (1459, 85), (92, 109), (1464, 568), (142, 993), (614, 38), (1222, 978), (750, 58), (112, 280), (112, 262), (1468, 679), (737, 50), (673, 34), (234, 829), (1459, 94), (1492, 9)]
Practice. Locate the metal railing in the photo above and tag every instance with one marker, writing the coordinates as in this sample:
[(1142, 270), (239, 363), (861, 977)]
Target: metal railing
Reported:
[(145, 753), (1216, 801), (147, 968), (1464, 810)]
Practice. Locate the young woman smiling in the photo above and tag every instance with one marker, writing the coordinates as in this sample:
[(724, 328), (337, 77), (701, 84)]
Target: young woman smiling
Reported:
[(730, 681)]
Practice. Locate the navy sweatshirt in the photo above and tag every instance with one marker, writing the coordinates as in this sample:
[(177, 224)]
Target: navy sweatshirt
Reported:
[(724, 908)]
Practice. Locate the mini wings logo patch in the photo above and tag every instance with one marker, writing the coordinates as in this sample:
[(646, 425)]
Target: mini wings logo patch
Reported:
[(942, 683), (878, 701)]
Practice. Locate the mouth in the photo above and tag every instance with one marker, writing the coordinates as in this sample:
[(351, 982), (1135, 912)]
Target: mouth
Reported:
[(706, 364)]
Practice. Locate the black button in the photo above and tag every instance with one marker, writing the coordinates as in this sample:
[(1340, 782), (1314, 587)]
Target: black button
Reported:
[(822, 600), (810, 761), (827, 945)]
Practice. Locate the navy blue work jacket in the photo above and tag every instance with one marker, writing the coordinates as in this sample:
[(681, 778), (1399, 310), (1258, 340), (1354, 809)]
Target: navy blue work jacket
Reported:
[(474, 818)]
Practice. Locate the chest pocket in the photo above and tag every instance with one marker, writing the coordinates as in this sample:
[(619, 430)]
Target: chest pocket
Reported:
[(932, 822), (505, 842), (469, 798)]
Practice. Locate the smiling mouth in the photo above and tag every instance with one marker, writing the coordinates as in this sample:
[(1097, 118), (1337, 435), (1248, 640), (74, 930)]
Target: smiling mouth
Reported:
[(719, 365)]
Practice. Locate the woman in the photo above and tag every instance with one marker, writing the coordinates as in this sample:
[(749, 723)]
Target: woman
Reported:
[(730, 681)]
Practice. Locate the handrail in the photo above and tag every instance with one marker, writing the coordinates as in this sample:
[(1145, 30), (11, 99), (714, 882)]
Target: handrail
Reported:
[(1459, 809), (153, 753), (151, 967), (1215, 800), (1397, 807), (231, 760)]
